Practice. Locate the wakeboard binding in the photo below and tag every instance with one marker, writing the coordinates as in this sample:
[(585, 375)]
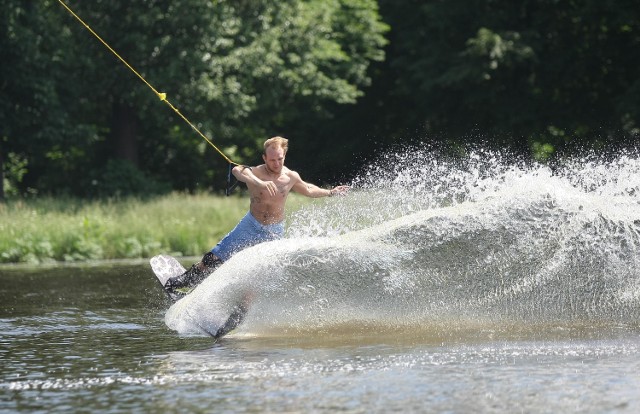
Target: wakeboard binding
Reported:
[(179, 286)]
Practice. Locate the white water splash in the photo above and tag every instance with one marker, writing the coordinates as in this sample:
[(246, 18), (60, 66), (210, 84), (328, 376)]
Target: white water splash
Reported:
[(423, 241)]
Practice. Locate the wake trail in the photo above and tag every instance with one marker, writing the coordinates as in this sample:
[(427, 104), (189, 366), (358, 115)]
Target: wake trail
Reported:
[(423, 243)]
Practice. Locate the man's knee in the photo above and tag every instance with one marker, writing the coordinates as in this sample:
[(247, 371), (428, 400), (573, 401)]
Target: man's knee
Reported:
[(211, 261)]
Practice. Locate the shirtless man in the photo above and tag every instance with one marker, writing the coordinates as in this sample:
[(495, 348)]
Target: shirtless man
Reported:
[(269, 185)]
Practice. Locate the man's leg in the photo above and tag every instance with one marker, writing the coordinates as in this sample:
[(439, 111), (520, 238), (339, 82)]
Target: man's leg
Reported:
[(209, 262), (195, 275)]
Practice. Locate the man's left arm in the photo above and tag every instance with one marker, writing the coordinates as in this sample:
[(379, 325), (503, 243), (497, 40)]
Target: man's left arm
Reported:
[(313, 191)]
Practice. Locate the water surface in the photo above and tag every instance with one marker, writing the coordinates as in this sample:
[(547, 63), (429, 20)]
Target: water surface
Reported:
[(437, 286), (94, 340)]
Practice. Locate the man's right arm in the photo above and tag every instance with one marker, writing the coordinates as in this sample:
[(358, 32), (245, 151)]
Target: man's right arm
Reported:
[(246, 175), (241, 172)]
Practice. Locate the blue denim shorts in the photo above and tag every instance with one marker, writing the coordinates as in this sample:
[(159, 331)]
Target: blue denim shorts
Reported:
[(247, 233)]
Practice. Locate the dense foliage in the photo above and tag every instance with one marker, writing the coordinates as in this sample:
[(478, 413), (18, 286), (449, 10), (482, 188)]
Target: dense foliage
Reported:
[(538, 76), (341, 78), (241, 70)]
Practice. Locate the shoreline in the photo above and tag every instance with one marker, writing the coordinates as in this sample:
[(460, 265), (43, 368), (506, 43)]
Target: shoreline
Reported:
[(86, 263)]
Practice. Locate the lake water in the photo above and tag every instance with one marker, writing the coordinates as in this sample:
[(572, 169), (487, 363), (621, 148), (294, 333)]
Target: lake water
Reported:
[(476, 285), (93, 339)]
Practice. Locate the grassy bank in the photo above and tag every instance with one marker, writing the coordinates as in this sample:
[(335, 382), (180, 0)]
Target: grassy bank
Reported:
[(49, 229)]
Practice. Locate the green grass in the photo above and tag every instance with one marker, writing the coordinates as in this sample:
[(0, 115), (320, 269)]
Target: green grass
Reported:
[(57, 229), (70, 230)]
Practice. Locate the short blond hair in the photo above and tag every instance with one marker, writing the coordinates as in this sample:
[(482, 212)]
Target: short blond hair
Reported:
[(277, 142)]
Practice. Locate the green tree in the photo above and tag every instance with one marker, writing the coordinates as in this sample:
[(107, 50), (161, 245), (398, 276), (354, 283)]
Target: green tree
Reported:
[(163, 41), (241, 70), (520, 74), (295, 69), (28, 104)]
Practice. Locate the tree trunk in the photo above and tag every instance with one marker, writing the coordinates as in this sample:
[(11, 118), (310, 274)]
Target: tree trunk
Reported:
[(1, 178), (124, 128)]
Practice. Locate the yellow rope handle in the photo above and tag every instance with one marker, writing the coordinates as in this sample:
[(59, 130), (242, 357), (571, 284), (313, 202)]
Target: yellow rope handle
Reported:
[(160, 95)]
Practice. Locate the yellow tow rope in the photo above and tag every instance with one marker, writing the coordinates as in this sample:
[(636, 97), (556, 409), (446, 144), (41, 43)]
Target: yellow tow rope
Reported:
[(162, 96)]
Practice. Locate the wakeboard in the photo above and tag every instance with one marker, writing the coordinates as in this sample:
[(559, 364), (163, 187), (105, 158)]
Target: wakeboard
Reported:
[(165, 267)]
